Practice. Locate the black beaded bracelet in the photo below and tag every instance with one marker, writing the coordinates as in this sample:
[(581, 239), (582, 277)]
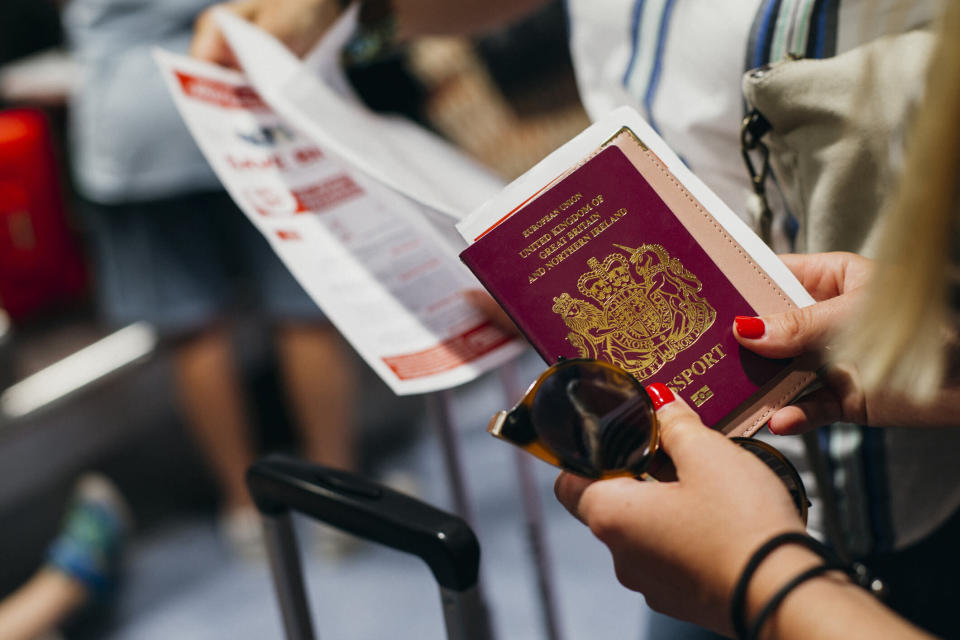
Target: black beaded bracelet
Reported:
[(739, 598), (856, 571), (779, 596)]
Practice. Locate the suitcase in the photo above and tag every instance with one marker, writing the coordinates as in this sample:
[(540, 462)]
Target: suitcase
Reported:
[(280, 485), (40, 260)]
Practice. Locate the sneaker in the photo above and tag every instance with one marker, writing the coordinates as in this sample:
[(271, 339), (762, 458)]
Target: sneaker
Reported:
[(333, 545), (95, 529), (242, 529), (403, 482)]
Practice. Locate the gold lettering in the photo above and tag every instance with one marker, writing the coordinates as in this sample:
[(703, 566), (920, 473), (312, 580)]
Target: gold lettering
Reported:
[(677, 384), (603, 226), (566, 253), (532, 229), (569, 202), (552, 248), (582, 211), (697, 368), (583, 226), (708, 358), (539, 242)]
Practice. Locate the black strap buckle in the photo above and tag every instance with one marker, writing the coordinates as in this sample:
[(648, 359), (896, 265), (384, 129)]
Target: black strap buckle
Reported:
[(752, 130)]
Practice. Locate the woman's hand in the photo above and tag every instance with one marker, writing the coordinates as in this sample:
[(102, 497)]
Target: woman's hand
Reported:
[(683, 544), (836, 281), (299, 24)]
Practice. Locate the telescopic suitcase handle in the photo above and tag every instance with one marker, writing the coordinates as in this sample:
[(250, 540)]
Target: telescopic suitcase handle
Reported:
[(280, 484)]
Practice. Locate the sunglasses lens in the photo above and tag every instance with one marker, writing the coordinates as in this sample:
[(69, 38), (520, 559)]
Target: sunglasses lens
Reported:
[(782, 467), (597, 420)]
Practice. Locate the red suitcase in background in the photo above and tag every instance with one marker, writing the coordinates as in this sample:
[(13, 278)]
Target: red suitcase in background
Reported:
[(40, 262)]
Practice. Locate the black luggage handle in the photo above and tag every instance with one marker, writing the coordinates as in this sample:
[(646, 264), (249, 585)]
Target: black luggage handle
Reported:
[(280, 484), (370, 511)]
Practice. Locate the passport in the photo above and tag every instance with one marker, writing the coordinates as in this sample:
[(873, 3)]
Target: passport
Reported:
[(625, 256)]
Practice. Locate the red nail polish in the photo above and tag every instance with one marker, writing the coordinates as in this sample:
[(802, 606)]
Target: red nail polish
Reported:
[(749, 327), (660, 394)]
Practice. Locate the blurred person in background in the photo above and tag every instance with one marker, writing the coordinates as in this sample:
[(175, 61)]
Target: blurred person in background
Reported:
[(681, 64), (81, 571), (171, 248)]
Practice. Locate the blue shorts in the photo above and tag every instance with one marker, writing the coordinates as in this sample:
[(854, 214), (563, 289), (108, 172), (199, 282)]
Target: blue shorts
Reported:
[(186, 262)]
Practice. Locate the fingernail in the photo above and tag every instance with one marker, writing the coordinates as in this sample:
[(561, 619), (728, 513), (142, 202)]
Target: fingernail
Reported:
[(660, 394), (749, 327)]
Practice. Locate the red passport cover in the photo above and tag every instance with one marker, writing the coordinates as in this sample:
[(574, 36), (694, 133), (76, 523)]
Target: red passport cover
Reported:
[(599, 266)]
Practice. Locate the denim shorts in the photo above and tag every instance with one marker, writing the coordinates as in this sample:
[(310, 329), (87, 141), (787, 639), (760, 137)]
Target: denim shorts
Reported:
[(183, 263)]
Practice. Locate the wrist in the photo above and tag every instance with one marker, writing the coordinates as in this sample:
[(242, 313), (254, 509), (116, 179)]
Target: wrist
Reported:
[(831, 596), (780, 567), (376, 33), (790, 575)]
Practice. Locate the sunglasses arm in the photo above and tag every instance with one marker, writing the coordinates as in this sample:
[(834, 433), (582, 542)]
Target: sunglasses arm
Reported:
[(496, 429)]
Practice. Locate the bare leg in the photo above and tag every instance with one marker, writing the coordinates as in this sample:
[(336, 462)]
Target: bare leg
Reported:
[(81, 561), (40, 605), (212, 397), (320, 381)]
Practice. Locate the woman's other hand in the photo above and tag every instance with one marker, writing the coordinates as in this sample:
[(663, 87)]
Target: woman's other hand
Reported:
[(683, 544), (299, 24)]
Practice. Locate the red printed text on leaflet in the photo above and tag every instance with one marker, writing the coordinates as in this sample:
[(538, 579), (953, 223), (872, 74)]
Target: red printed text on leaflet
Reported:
[(449, 354), (221, 94)]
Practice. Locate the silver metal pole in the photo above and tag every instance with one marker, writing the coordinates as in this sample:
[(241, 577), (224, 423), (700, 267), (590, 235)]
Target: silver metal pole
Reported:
[(465, 614), (827, 494), (281, 542), (533, 512), (469, 607), (443, 409), (533, 515)]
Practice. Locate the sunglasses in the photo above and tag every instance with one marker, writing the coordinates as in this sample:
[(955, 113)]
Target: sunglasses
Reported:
[(594, 419)]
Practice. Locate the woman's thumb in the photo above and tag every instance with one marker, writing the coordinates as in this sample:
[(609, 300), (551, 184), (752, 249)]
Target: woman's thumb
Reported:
[(785, 335), (683, 436)]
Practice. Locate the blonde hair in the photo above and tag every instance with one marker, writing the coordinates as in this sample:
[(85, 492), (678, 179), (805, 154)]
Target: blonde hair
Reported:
[(899, 340)]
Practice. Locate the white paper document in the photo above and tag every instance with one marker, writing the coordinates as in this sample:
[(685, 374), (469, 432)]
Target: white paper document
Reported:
[(314, 97), (373, 259)]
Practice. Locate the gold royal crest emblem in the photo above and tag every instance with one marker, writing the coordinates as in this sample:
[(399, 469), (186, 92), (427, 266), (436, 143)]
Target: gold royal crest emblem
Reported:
[(641, 310)]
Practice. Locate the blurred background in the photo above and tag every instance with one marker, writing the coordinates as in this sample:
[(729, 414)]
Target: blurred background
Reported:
[(79, 393)]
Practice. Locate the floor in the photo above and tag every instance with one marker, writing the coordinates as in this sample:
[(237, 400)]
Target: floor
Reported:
[(182, 583)]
